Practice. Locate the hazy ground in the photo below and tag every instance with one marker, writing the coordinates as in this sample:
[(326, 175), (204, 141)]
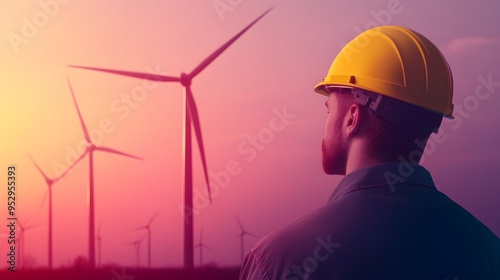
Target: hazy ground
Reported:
[(124, 274)]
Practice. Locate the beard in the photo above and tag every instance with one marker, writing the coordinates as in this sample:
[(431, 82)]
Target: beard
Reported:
[(334, 155)]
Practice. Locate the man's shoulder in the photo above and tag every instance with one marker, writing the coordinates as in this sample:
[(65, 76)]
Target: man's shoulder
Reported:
[(371, 229), (291, 243), (297, 230), (292, 250)]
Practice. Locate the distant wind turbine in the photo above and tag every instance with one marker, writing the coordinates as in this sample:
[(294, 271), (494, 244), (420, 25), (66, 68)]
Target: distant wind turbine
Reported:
[(190, 118), (91, 148), (242, 237), (147, 227), (23, 229), (201, 246), (49, 183), (137, 247)]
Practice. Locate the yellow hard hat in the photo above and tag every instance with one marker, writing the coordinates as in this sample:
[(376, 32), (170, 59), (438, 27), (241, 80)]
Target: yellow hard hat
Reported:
[(397, 62)]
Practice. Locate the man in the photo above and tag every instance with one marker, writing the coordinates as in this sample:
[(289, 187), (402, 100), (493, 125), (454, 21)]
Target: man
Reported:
[(388, 90)]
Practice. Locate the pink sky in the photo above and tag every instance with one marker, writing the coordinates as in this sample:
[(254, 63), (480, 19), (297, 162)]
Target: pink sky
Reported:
[(271, 68)]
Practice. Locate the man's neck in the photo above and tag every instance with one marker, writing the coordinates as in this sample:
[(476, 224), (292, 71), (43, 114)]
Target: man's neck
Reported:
[(358, 158), (353, 165)]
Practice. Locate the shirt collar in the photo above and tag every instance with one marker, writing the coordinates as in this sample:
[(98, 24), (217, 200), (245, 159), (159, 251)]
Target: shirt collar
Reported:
[(386, 174)]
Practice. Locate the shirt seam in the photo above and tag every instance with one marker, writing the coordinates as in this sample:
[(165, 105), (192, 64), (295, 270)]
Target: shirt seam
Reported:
[(359, 186)]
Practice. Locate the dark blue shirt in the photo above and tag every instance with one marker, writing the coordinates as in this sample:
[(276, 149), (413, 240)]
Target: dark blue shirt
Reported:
[(385, 221)]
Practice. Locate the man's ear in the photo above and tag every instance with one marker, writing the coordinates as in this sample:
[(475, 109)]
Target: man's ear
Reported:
[(353, 119)]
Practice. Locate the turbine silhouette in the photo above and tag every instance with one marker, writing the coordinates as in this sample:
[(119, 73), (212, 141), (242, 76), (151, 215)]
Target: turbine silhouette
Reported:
[(191, 118), (201, 246), (147, 227), (137, 247), (49, 183), (242, 237), (23, 229), (91, 148)]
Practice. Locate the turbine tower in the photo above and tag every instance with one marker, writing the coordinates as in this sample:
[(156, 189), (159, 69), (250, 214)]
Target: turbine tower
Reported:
[(191, 119), (201, 246), (147, 227), (49, 183), (91, 148), (242, 237), (99, 241)]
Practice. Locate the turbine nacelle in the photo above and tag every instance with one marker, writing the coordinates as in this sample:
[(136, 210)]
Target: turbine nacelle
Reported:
[(185, 80), (49, 182), (91, 147)]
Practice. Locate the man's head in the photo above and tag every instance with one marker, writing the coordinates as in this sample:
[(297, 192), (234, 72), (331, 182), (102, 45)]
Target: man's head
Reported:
[(352, 125), (388, 90)]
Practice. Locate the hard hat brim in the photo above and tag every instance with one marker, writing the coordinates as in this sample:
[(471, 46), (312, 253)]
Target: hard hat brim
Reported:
[(321, 88)]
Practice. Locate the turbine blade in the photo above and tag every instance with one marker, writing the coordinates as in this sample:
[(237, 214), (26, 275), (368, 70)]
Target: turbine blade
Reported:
[(45, 196), (206, 247), (30, 227), (146, 76), (70, 167), (152, 219), (85, 132), (113, 151), (99, 230), (39, 169), (143, 227), (250, 234), (240, 224), (193, 112), (219, 51), (22, 225)]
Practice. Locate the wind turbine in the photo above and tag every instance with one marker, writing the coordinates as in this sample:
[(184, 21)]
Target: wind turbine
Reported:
[(91, 148), (148, 228), (201, 245), (137, 247), (242, 237), (49, 181), (23, 229), (190, 118)]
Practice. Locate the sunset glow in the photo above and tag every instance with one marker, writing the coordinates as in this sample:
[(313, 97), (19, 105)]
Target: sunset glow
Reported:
[(262, 124)]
